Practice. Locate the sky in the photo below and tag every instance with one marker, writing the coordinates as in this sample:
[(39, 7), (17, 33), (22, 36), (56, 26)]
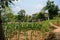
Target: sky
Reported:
[(30, 6)]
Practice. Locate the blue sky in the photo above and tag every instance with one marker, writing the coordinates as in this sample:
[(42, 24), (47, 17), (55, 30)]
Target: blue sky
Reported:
[(30, 6)]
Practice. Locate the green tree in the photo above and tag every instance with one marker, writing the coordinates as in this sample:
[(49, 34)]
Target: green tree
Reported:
[(8, 17), (16, 18), (21, 15), (3, 4), (52, 9), (41, 16)]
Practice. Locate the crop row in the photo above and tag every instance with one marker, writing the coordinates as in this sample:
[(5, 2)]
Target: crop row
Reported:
[(9, 28)]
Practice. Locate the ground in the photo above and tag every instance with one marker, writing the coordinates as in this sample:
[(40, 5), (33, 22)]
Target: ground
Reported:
[(37, 35)]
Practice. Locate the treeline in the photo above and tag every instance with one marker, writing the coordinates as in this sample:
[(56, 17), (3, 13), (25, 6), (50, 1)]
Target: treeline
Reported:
[(53, 11)]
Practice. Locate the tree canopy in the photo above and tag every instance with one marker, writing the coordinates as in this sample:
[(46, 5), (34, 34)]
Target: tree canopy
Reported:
[(52, 9), (21, 15)]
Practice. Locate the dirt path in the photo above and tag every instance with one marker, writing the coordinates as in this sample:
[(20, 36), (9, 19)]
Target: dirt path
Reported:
[(57, 27), (55, 34)]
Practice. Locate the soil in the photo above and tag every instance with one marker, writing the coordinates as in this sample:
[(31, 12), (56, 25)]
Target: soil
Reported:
[(55, 34), (28, 35), (37, 35)]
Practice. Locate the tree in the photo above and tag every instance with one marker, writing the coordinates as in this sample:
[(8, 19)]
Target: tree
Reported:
[(8, 17), (3, 4), (41, 16), (52, 9), (21, 15)]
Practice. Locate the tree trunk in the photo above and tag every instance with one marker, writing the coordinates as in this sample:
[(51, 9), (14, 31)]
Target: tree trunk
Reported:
[(2, 37)]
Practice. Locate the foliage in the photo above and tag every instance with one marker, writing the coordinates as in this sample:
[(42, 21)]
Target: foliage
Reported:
[(21, 15), (41, 16), (11, 27), (43, 26), (8, 17), (28, 18), (52, 9), (5, 3)]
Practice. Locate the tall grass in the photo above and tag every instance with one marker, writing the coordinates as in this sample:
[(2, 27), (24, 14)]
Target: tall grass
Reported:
[(9, 28)]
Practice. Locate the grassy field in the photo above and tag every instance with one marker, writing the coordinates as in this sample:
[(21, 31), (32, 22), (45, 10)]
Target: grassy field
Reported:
[(26, 30)]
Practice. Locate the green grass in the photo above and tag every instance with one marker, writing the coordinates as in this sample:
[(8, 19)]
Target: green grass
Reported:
[(10, 27), (43, 26)]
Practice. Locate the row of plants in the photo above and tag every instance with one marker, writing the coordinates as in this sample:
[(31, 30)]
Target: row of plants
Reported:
[(26, 26), (10, 27)]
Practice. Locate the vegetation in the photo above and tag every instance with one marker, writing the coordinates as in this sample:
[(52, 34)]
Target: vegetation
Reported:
[(21, 15), (3, 5), (52, 9), (41, 16), (15, 24), (43, 27), (9, 17), (9, 28)]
